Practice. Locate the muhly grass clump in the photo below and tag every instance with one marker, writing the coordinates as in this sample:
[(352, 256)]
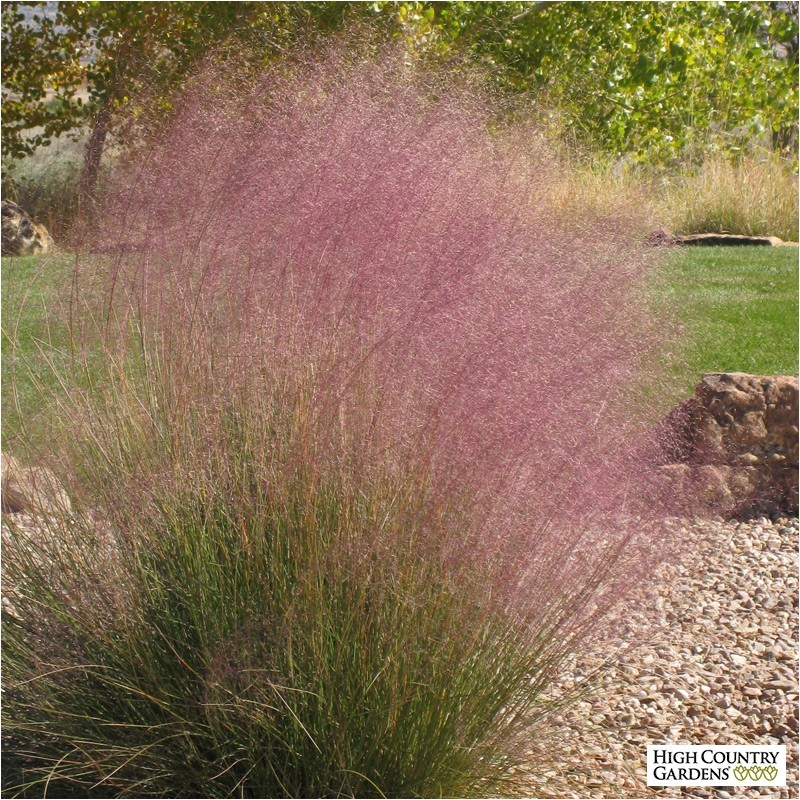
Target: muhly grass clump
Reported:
[(361, 465)]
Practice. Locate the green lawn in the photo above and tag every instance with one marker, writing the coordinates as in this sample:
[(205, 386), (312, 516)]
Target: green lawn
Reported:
[(739, 307), (35, 294)]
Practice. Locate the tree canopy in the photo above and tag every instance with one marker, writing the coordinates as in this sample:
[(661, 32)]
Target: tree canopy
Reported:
[(648, 80), (74, 66), (651, 79)]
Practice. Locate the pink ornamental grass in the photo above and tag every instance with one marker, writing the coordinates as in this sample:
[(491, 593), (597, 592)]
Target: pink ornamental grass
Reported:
[(336, 307), (354, 235), (358, 223)]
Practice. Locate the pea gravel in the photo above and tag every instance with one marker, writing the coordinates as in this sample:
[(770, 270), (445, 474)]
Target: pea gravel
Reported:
[(718, 664)]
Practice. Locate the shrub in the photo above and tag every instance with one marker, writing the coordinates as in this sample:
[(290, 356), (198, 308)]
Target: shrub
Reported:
[(364, 466)]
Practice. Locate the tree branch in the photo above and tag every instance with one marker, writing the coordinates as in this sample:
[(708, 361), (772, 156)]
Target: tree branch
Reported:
[(535, 8)]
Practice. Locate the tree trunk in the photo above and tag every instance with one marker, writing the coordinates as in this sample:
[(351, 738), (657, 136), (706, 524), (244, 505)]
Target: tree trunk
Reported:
[(94, 152)]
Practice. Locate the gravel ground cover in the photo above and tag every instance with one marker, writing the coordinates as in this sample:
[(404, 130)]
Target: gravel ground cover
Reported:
[(718, 665)]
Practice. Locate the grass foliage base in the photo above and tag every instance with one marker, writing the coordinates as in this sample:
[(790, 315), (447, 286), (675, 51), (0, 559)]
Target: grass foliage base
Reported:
[(247, 655)]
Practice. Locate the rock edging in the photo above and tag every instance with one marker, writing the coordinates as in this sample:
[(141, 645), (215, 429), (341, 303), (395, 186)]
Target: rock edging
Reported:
[(733, 446), (665, 238)]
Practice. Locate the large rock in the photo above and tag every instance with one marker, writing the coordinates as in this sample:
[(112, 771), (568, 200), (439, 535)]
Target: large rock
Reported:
[(21, 236), (31, 490), (662, 237), (733, 446), (728, 240)]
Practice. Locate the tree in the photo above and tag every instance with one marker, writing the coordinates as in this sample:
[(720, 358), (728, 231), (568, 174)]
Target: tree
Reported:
[(648, 79), (115, 50), (653, 81)]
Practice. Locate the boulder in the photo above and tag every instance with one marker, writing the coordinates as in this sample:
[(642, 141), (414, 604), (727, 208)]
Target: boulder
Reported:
[(31, 490), (728, 240), (732, 448), (21, 236), (663, 237)]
